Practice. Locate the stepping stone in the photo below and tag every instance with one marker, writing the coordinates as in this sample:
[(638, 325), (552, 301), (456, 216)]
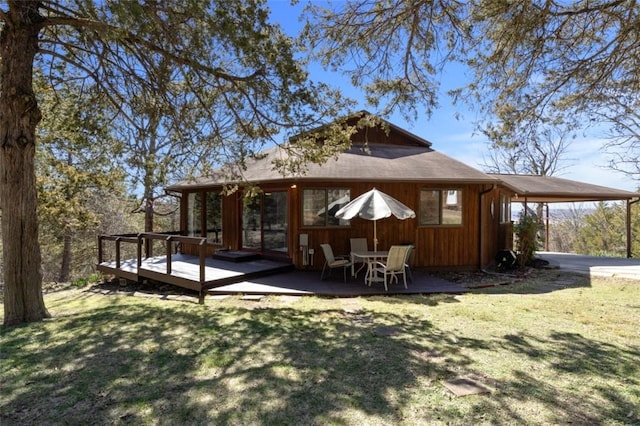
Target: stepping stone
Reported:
[(386, 331), (254, 297), (464, 386), (218, 297), (289, 299)]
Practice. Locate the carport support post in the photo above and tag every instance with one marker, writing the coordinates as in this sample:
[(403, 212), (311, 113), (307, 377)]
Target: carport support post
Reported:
[(546, 236), (628, 229)]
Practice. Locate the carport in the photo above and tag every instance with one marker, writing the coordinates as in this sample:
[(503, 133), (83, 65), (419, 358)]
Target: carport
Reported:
[(551, 189)]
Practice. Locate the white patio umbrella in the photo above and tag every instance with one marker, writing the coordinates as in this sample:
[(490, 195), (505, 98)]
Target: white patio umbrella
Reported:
[(375, 205)]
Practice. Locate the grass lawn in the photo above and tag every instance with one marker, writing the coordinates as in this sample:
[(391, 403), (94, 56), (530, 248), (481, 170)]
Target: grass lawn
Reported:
[(552, 349)]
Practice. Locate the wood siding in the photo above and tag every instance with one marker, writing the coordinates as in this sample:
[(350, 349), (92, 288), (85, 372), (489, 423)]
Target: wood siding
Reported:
[(437, 247)]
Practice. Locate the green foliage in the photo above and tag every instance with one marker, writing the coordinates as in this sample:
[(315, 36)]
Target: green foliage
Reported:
[(90, 280), (528, 232), (598, 232), (603, 232), (76, 155), (76, 163)]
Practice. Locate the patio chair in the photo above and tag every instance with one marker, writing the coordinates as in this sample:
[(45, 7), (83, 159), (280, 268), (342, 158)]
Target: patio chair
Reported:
[(407, 262), (332, 262), (358, 245), (395, 265)]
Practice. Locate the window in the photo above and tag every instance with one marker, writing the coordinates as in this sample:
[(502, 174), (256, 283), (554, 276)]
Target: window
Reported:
[(319, 206), (194, 214), (213, 215), (505, 208), (440, 207), (208, 214)]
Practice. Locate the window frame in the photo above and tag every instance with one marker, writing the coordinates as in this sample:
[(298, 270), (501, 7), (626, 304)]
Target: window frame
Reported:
[(201, 197), (443, 193), (342, 223), (505, 208)]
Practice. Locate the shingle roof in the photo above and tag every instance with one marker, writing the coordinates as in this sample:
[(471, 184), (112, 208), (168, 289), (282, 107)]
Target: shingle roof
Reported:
[(550, 189), (381, 163), (400, 156)]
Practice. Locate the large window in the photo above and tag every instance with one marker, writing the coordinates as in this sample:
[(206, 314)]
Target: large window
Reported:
[(207, 215), (319, 206), (213, 216), (440, 207), (194, 214)]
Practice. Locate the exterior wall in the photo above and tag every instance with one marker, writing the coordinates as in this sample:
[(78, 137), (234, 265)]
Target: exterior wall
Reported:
[(437, 247)]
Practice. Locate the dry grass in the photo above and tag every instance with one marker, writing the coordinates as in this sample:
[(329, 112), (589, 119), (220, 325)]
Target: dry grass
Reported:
[(553, 348)]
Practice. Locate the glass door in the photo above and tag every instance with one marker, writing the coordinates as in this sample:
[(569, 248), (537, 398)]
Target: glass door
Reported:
[(252, 223), (265, 222), (274, 235)]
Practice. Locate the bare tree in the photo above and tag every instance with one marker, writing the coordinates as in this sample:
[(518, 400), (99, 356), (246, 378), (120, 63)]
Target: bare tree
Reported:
[(532, 61), (542, 154)]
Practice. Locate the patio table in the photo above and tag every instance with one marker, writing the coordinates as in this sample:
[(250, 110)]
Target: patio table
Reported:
[(371, 257)]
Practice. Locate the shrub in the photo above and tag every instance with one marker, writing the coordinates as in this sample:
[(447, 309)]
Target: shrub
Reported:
[(528, 238)]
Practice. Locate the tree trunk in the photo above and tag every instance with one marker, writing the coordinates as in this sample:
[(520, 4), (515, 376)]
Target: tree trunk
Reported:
[(148, 211), (65, 266), (19, 115)]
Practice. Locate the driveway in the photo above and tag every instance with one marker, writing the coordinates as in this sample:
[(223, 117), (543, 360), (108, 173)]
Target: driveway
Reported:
[(594, 265)]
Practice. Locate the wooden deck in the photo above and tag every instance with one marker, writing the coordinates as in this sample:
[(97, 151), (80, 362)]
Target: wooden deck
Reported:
[(185, 270), (308, 283), (261, 276)]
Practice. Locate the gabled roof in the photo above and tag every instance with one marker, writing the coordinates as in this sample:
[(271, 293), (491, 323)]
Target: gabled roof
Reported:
[(384, 133), (400, 156), (550, 189), (378, 162)]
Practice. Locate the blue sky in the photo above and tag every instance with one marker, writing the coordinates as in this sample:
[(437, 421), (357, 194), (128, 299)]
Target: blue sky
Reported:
[(455, 136)]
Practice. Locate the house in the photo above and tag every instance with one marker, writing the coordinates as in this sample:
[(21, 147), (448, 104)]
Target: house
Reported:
[(463, 216)]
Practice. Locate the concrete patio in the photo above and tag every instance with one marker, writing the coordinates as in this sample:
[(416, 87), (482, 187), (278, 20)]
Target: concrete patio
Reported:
[(594, 265)]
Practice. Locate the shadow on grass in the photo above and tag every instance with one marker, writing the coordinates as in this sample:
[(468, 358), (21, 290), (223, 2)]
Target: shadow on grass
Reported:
[(189, 364), (537, 282), (602, 380), (177, 363)]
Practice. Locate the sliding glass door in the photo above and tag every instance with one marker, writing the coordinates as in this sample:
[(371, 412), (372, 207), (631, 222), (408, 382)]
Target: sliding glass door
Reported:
[(265, 222)]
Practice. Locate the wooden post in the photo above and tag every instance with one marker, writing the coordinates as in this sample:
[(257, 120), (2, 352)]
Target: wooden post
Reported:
[(139, 250), (118, 252), (100, 239), (628, 229), (168, 249), (203, 247), (546, 237)]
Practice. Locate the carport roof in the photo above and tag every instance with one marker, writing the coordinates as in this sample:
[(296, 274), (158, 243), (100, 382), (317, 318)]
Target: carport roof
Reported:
[(551, 189)]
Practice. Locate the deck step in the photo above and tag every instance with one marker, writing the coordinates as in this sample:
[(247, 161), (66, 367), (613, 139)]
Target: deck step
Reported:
[(275, 269), (235, 255)]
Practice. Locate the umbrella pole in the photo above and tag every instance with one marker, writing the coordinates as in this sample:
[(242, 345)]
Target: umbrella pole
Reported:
[(375, 236)]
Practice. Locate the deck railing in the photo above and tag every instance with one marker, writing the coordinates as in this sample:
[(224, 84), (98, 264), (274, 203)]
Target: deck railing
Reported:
[(145, 239), (201, 242), (118, 239)]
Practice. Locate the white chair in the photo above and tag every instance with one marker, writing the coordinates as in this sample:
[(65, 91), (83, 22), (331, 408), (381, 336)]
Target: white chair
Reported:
[(358, 245), (332, 262), (407, 262), (395, 265)]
